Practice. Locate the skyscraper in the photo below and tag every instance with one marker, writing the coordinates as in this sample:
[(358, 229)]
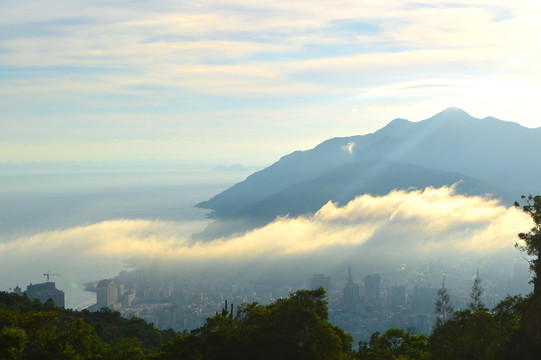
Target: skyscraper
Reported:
[(107, 293), (320, 280), (398, 296), (352, 298), (372, 290)]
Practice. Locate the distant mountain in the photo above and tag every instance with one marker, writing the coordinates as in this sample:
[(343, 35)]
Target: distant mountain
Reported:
[(234, 167), (346, 182), (489, 155)]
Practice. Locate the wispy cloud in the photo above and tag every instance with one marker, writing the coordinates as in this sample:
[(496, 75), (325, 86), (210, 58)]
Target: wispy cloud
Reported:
[(306, 57), (348, 148)]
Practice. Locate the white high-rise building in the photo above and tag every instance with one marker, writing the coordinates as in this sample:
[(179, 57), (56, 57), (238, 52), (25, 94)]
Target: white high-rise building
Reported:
[(107, 293)]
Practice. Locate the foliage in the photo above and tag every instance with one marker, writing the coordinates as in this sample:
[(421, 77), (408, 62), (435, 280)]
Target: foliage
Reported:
[(12, 342), (480, 335), (476, 304), (394, 344), (32, 330), (41, 335), (532, 239), (293, 328), (442, 305), (296, 327)]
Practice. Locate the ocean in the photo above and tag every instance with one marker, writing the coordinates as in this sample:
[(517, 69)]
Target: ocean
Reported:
[(50, 198)]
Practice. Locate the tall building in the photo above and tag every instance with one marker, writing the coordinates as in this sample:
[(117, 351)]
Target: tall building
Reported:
[(44, 292), (398, 296), (372, 285), (372, 292), (107, 293), (352, 298), (319, 280), (424, 298)]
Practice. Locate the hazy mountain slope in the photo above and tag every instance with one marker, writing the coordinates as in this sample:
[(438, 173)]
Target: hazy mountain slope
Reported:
[(499, 153), (343, 184), (340, 185), (289, 170)]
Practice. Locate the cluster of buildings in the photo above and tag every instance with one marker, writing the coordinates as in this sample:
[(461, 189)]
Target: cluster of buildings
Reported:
[(363, 310), (175, 303), (360, 305), (114, 296), (372, 300), (405, 299)]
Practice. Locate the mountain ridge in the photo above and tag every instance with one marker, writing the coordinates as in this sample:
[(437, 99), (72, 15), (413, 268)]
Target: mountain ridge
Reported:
[(498, 156)]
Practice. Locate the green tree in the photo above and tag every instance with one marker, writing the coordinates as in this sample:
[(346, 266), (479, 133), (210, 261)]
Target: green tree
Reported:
[(464, 336), (442, 305), (393, 344), (12, 343), (532, 239), (32, 330), (476, 304), (296, 327), (487, 335), (508, 315)]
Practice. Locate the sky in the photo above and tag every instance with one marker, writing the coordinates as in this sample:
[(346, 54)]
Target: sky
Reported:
[(243, 81)]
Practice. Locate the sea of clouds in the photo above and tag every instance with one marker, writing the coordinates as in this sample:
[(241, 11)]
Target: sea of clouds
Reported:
[(430, 222)]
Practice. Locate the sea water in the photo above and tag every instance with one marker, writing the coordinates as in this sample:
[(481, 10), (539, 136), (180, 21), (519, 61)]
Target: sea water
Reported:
[(38, 198)]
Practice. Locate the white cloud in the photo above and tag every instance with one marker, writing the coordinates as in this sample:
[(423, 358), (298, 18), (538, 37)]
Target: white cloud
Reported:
[(302, 59), (348, 148), (425, 222)]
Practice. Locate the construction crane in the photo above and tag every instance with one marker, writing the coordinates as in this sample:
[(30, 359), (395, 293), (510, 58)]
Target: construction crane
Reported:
[(48, 275)]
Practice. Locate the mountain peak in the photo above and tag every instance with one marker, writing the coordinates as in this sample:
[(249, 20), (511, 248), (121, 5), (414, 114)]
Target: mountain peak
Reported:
[(401, 127), (453, 109), (398, 121), (452, 112), (395, 127)]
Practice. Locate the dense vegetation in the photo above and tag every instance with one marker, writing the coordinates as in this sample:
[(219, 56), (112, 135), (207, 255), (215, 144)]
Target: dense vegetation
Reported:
[(293, 328), (474, 333), (296, 327), (32, 330)]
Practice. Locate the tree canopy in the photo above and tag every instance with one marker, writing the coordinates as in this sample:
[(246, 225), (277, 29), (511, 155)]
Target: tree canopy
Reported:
[(532, 239), (296, 327), (32, 330)]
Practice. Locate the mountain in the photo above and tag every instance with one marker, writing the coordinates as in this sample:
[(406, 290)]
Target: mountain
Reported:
[(343, 184), (489, 155)]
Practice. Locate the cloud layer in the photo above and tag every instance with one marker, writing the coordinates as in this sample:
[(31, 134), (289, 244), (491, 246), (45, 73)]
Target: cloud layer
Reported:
[(433, 221)]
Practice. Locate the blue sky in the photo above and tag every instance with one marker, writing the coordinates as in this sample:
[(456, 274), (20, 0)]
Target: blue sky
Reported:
[(243, 81)]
